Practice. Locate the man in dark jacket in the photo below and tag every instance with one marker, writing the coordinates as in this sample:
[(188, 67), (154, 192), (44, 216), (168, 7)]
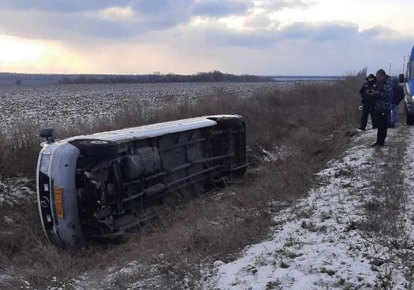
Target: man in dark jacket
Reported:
[(398, 96), (383, 95), (367, 101)]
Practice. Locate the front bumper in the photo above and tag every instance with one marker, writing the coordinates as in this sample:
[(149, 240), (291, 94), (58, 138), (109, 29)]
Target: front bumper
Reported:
[(57, 194)]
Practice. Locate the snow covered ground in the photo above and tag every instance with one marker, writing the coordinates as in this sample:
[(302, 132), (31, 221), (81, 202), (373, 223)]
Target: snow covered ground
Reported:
[(14, 189), (353, 230), (328, 240)]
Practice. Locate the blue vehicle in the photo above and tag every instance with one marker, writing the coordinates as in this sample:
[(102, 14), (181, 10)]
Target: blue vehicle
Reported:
[(408, 80)]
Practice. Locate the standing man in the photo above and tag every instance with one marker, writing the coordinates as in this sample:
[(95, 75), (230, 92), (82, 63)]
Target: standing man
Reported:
[(398, 96), (383, 95), (367, 101)]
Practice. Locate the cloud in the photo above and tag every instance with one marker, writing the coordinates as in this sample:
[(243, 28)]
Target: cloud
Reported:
[(300, 48), (263, 37), (57, 26), (199, 7), (70, 6), (192, 35), (220, 8), (266, 53), (275, 5), (195, 51), (161, 6), (320, 32), (257, 21), (65, 6), (117, 13), (112, 22), (93, 19), (65, 20)]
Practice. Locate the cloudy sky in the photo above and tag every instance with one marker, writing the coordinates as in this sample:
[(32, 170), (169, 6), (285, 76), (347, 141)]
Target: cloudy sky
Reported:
[(277, 37)]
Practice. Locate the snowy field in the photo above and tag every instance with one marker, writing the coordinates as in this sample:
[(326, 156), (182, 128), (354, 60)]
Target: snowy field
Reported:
[(52, 104)]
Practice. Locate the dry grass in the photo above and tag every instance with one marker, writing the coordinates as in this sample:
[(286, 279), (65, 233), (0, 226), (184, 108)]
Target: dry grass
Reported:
[(384, 227), (310, 119)]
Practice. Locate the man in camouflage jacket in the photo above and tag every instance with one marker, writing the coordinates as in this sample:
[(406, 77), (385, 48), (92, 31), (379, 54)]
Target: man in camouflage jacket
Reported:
[(383, 96)]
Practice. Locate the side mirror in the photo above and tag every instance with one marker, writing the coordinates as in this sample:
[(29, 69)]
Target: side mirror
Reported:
[(401, 79), (49, 134)]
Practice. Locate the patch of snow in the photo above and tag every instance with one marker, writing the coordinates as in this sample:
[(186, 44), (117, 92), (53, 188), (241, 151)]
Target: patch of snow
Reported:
[(316, 244), (8, 220), (14, 189), (277, 153), (218, 263)]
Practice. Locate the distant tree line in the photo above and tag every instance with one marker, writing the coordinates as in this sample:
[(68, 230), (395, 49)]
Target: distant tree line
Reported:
[(213, 76)]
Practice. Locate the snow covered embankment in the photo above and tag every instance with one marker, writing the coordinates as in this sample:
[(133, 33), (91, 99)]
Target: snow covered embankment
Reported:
[(323, 241)]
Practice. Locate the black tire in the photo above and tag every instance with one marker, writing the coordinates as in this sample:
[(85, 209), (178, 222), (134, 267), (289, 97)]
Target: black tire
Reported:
[(96, 147), (227, 122)]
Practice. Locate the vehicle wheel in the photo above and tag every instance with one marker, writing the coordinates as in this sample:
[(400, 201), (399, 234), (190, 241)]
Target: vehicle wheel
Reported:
[(96, 147), (228, 121), (410, 120)]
